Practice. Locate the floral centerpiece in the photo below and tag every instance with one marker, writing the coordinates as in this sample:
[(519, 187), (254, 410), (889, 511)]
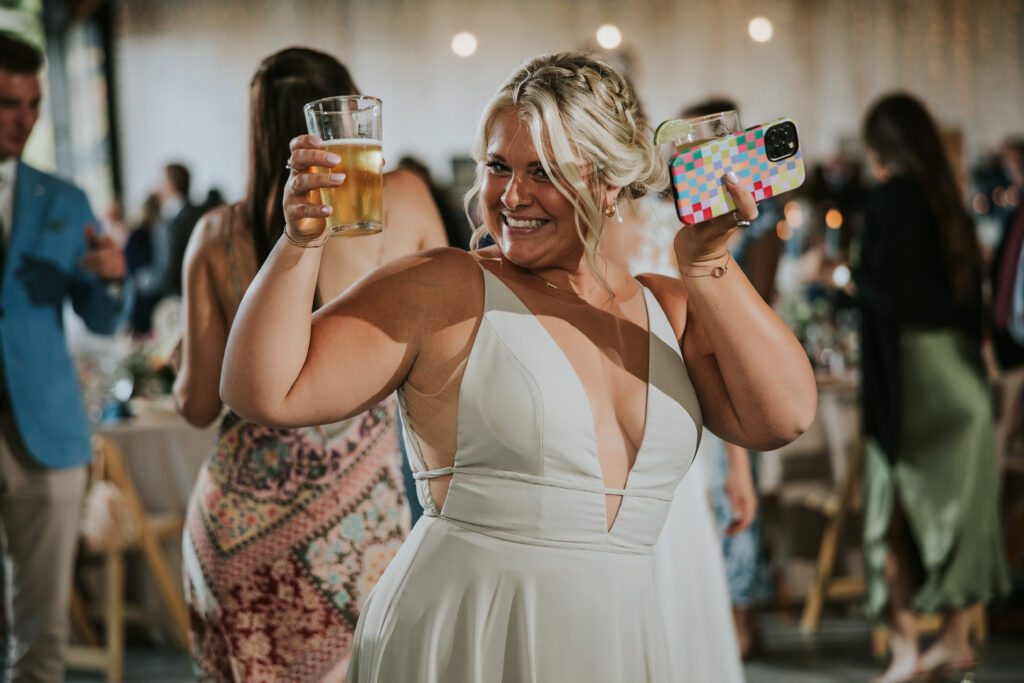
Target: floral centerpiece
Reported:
[(127, 375)]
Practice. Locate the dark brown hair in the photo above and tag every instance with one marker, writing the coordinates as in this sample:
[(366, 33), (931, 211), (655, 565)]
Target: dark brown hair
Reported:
[(903, 134), (282, 84), (180, 178), (17, 56), (712, 105)]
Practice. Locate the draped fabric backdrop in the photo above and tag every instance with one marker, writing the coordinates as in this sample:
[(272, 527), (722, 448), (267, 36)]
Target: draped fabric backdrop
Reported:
[(184, 66)]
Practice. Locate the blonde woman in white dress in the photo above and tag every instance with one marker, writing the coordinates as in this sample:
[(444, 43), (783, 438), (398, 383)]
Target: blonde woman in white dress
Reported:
[(552, 400)]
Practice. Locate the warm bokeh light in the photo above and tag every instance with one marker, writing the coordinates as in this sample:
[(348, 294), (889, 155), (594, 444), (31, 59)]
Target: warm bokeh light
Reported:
[(609, 36), (834, 219), (760, 29), (980, 204), (1012, 196), (841, 275), (794, 213), (783, 230), (999, 196), (464, 44)]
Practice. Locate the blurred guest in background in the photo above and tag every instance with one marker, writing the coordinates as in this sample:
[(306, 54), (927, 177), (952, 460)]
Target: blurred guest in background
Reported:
[(1007, 266), (180, 216), (168, 238), (932, 541), (49, 252), (113, 223), (287, 529), (138, 254), (214, 198)]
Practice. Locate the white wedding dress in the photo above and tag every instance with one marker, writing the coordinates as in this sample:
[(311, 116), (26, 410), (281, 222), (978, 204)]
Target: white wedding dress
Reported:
[(690, 579), (689, 568), (517, 578)]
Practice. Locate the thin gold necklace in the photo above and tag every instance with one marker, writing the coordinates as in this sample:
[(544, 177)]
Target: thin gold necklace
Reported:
[(543, 279), (549, 283)]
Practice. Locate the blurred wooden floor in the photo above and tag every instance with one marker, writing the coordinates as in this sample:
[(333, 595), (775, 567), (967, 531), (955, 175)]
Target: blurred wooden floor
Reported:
[(839, 652)]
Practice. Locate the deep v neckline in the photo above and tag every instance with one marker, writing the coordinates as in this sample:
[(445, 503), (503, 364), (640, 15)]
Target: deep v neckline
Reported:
[(586, 397)]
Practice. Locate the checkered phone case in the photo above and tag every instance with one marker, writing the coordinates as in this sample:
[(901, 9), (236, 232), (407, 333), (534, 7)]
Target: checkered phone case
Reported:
[(698, 173)]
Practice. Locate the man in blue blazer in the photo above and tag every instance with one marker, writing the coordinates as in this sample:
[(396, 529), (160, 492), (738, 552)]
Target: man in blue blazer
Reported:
[(49, 251)]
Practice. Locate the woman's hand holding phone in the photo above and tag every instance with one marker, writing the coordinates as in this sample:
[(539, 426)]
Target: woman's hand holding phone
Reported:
[(703, 244), (717, 183), (767, 158)]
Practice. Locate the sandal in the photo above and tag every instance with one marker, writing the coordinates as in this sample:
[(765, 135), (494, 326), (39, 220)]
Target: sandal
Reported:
[(959, 669)]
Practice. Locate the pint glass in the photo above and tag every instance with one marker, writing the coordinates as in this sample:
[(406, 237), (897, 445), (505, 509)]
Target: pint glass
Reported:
[(350, 127), (709, 127)]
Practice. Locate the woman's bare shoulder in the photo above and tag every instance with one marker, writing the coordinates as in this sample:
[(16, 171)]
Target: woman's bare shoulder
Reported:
[(441, 270), (404, 179), (420, 295), (429, 280), (211, 235)]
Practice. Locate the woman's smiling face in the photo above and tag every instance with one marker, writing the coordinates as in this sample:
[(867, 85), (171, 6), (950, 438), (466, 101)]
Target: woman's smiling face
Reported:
[(531, 221)]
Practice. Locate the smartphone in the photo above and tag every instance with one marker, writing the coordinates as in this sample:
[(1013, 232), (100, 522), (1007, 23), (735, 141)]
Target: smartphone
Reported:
[(767, 159)]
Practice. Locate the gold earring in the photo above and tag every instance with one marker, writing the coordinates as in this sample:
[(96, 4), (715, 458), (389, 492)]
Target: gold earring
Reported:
[(611, 210)]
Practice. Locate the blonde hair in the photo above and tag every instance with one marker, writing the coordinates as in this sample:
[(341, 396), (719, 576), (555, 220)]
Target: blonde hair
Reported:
[(577, 107)]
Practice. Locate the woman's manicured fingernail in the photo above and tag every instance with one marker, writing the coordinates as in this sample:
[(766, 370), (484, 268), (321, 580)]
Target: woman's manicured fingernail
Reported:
[(324, 210), (316, 140), (333, 159), (337, 177), (732, 177)]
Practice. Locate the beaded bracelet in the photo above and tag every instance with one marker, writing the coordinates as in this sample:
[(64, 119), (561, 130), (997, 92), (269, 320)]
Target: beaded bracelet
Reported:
[(715, 270), (307, 245)]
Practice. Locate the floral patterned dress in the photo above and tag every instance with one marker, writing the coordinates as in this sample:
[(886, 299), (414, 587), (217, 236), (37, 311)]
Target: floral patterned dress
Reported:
[(287, 531)]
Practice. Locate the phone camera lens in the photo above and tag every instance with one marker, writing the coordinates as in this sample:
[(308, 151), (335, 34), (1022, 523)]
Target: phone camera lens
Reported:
[(780, 141)]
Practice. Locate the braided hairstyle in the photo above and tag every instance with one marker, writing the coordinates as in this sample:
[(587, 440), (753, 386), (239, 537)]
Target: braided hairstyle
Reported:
[(580, 113)]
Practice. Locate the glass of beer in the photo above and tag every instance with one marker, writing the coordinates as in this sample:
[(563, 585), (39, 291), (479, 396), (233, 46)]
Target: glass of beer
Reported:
[(709, 127), (350, 127)]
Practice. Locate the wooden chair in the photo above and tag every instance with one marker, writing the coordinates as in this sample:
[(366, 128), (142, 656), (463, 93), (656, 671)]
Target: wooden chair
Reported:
[(837, 508), (107, 656)]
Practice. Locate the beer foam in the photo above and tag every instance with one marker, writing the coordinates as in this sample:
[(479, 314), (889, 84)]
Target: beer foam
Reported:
[(353, 141)]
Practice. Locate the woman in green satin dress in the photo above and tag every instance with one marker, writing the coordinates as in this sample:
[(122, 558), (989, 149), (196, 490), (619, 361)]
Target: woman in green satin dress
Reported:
[(932, 540)]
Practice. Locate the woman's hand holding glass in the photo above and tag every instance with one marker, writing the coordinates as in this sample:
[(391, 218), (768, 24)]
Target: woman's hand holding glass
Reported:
[(304, 214)]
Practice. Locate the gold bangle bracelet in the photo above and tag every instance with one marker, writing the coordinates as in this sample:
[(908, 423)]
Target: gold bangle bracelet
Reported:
[(307, 245), (715, 270)]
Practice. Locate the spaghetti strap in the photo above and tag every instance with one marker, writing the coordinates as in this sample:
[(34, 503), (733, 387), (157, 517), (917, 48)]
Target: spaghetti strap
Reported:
[(236, 281)]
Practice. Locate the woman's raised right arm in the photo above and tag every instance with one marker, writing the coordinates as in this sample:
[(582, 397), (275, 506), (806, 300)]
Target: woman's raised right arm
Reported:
[(285, 366)]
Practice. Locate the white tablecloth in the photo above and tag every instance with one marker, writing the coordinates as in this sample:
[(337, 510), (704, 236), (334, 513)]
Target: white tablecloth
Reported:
[(163, 453)]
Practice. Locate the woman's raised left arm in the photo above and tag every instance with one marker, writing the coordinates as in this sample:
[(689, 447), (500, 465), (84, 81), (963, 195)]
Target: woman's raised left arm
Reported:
[(752, 376)]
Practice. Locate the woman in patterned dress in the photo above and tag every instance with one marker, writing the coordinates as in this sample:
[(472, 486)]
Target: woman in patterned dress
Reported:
[(287, 529)]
